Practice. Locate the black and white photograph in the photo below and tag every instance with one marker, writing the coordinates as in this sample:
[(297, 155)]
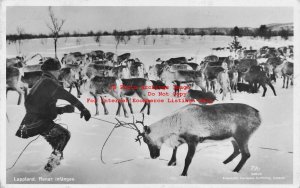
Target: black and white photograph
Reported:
[(149, 94)]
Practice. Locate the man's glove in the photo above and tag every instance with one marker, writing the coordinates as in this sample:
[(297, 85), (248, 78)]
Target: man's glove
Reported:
[(65, 109), (86, 114)]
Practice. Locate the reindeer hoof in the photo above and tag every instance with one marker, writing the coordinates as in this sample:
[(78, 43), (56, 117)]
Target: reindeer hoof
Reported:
[(172, 163), (105, 113), (184, 174), (126, 115), (97, 114)]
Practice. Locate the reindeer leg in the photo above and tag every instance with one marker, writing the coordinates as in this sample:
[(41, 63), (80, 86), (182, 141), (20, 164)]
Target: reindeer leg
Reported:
[(104, 106), (145, 98), (129, 104), (243, 145), (271, 86), (71, 86), (235, 87), (118, 110), (20, 92), (207, 85), (142, 110), (20, 97), (287, 82), (178, 91), (148, 112), (124, 109), (265, 89), (189, 157), (77, 88), (25, 92), (172, 162), (274, 78), (96, 103), (235, 153), (283, 81), (224, 94), (255, 86), (230, 93)]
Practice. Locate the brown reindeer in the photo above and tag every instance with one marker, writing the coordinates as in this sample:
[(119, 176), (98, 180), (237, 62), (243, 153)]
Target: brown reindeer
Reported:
[(118, 89), (137, 68), (74, 57), (96, 55), (255, 76), (176, 60), (200, 96), (183, 76), (124, 57), (287, 70), (224, 81)]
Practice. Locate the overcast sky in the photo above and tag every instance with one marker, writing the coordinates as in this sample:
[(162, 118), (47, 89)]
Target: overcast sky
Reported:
[(84, 19)]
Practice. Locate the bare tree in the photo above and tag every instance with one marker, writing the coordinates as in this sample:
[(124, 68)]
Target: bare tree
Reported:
[(19, 42), (144, 37), (127, 39), (119, 37), (55, 27), (78, 41), (98, 37), (154, 37)]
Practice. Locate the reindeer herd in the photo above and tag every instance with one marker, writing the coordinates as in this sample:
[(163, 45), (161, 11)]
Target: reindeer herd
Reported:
[(99, 73)]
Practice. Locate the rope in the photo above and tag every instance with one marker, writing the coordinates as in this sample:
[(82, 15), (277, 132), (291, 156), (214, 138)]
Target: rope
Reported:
[(29, 144), (116, 125), (22, 153), (99, 119), (101, 153)]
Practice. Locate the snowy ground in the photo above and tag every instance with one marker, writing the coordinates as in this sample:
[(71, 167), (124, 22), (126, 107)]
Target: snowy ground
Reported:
[(128, 162)]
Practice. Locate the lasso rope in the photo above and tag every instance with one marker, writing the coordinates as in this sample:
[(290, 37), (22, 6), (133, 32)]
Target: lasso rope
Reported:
[(116, 125), (29, 144), (101, 154), (22, 152)]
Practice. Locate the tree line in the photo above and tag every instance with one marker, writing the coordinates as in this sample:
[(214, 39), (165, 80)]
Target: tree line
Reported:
[(263, 31)]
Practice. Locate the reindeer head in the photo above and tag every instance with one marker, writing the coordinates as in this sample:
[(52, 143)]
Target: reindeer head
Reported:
[(86, 85), (154, 147), (67, 76)]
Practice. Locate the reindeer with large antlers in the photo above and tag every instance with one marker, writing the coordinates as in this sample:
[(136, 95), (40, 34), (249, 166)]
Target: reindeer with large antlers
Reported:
[(194, 124)]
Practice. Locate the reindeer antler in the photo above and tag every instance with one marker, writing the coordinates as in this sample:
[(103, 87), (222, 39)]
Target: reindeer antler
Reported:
[(141, 122), (132, 126), (138, 138)]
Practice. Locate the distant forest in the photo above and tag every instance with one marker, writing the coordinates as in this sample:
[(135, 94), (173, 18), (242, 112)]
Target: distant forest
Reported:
[(263, 31)]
